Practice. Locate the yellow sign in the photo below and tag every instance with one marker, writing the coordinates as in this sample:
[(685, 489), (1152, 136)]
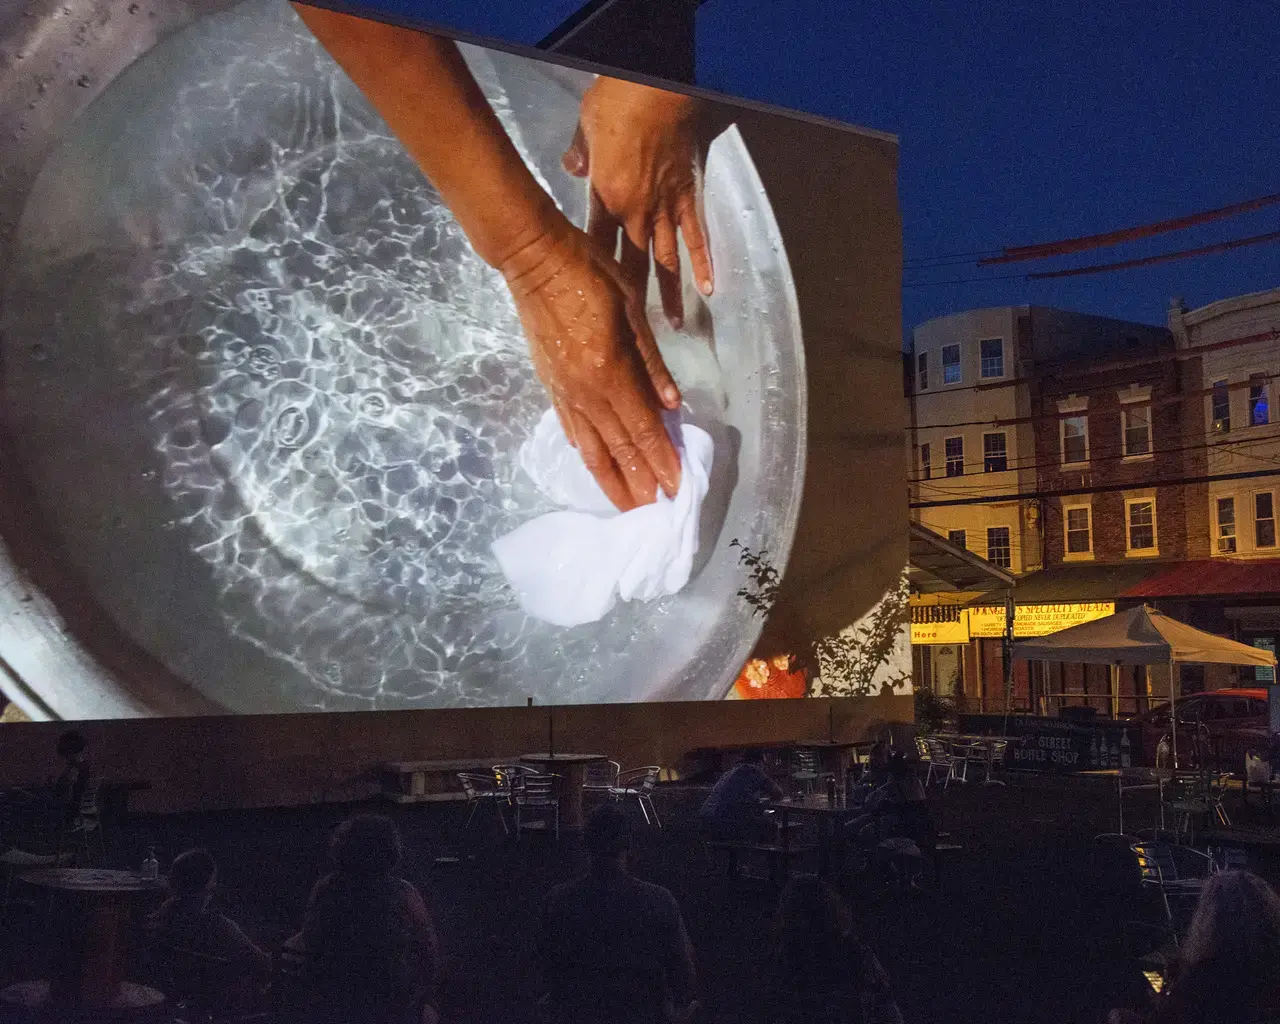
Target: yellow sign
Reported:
[(1037, 619), (953, 632)]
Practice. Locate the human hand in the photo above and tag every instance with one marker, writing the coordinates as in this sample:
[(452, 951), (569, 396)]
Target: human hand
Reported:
[(640, 147), (596, 355)]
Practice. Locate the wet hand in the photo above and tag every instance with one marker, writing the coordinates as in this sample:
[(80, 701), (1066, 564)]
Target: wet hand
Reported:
[(641, 149), (594, 351)]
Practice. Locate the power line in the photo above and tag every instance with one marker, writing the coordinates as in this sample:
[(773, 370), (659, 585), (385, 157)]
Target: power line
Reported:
[(1066, 492), (1145, 261), (965, 280), (1109, 238)]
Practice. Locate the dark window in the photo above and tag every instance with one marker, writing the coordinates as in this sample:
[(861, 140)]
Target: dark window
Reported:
[(922, 371), (1142, 525), (1075, 439), (1264, 520), (958, 538), (1259, 406), (999, 551), (1137, 430), (1078, 539), (926, 462), (995, 454), (1226, 517), (992, 350), (1221, 403), (955, 456), (951, 364)]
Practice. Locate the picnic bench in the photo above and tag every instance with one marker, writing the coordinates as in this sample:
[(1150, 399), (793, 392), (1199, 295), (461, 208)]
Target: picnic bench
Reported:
[(415, 782)]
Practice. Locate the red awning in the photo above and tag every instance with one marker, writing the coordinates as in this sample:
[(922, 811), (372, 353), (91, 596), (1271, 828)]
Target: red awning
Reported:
[(1211, 577)]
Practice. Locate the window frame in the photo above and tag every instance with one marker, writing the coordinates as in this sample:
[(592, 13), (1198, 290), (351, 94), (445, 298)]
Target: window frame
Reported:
[(964, 539), (946, 456), (1265, 384), (959, 365), (1222, 385), (1062, 438), (1254, 515), (1124, 433), (1008, 532), (1129, 549), (926, 460), (982, 359), (922, 372), (1217, 519), (986, 459), (1067, 554)]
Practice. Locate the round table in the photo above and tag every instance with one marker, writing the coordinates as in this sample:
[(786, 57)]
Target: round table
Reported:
[(93, 909), (572, 769)]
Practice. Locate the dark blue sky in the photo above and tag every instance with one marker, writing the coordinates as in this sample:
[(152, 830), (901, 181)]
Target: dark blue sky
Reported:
[(1019, 122)]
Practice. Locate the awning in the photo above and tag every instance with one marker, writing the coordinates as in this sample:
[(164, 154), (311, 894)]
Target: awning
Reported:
[(1211, 577), (1140, 636), (937, 565), (1079, 583)]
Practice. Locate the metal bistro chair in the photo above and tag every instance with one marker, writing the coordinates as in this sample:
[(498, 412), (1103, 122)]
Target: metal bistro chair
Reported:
[(805, 769), (1158, 870), (638, 784), (941, 762), (600, 777), (507, 777), (481, 790), (539, 793)]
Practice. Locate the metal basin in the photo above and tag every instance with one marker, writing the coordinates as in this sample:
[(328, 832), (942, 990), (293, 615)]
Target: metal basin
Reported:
[(267, 402)]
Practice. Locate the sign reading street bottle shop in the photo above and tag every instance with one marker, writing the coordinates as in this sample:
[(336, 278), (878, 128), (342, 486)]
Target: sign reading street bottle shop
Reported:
[(1037, 619), (1053, 745)]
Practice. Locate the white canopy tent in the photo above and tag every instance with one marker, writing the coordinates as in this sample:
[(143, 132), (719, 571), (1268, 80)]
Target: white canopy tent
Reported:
[(1141, 636)]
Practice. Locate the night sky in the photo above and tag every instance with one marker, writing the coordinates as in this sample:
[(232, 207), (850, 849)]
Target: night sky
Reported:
[(1020, 123)]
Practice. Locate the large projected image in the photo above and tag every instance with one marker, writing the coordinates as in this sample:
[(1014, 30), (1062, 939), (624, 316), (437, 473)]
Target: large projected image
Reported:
[(353, 368)]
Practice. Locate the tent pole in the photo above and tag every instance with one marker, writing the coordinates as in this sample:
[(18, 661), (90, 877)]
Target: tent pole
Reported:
[(1173, 716)]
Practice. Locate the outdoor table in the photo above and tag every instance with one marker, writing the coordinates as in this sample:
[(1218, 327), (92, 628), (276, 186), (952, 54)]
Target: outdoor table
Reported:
[(831, 816), (835, 756), (89, 934), (572, 770)]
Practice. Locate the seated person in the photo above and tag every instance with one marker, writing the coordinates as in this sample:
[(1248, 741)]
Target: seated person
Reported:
[(36, 815), (368, 941), (821, 970), (895, 822), (614, 949), (732, 810), (190, 937)]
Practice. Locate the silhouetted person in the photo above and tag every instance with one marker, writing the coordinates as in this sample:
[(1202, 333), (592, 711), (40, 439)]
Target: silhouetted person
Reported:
[(1228, 967), (895, 824), (188, 927), (821, 970), (732, 809), (68, 789), (370, 947), (613, 949)]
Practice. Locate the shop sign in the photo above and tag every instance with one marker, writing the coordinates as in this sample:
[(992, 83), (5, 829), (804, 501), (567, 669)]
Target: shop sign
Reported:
[(952, 631), (1037, 619)]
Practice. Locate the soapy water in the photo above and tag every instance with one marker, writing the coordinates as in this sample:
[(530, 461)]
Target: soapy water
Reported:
[(333, 389)]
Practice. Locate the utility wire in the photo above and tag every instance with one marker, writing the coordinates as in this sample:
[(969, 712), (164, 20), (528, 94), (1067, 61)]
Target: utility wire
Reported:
[(1165, 257)]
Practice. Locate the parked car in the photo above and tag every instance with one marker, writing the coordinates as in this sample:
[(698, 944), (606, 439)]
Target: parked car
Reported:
[(1221, 724)]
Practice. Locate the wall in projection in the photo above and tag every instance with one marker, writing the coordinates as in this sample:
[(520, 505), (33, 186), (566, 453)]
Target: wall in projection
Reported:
[(285, 441)]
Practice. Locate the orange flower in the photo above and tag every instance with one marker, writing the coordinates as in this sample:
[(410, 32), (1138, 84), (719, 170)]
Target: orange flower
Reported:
[(767, 679)]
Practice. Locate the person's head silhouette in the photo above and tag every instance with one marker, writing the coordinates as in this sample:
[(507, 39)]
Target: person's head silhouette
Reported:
[(607, 837)]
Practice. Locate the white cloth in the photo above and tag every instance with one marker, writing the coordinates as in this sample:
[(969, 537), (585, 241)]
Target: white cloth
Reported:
[(572, 566)]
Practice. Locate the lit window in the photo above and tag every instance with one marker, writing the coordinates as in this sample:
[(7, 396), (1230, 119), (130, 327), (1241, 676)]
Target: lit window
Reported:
[(1226, 517), (922, 371), (955, 456), (992, 357), (926, 462), (995, 453), (998, 550), (1136, 423), (1142, 525), (1264, 520), (1079, 535), (1259, 407), (959, 538), (1075, 439), (951, 364), (1221, 407)]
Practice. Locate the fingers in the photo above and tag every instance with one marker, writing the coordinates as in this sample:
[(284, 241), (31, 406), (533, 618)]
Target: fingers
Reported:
[(635, 268), (695, 240), (575, 158), (602, 226), (598, 460), (664, 384), (666, 259), (646, 437)]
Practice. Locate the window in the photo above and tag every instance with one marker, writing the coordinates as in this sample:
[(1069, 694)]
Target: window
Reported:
[(1221, 407), (958, 538), (1264, 520), (926, 462), (1135, 421), (992, 350), (995, 453), (1075, 439), (951, 364), (1141, 513), (1259, 407), (1226, 519), (1079, 532), (955, 456), (922, 371), (998, 550)]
